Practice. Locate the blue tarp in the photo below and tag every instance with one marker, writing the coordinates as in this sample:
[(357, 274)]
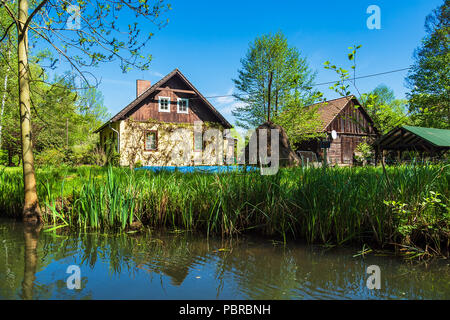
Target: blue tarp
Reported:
[(204, 169)]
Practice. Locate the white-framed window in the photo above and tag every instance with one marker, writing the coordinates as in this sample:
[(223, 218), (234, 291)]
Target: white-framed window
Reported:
[(182, 105), (151, 140), (164, 104)]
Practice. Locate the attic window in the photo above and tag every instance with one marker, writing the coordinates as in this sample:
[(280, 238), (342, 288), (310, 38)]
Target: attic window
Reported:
[(182, 105), (164, 104)]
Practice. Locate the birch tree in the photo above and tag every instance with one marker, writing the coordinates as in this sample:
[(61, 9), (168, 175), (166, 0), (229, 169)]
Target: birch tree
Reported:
[(6, 57), (84, 33)]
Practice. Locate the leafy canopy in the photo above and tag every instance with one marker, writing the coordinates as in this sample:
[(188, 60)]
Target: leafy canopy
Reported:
[(429, 99), (271, 77)]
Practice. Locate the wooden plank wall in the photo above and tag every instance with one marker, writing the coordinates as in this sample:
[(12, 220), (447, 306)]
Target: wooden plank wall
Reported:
[(351, 121), (197, 111)]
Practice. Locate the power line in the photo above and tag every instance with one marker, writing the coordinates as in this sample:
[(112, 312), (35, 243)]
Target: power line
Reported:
[(362, 77), (331, 82)]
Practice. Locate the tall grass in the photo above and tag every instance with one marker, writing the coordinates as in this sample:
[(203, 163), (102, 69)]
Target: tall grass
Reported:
[(331, 206)]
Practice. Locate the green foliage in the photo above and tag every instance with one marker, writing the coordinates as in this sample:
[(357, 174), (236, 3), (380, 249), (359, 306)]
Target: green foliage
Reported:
[(51, 157), (112, 156), (364, 152), (342, 86), (428, 79), (138, 164), (386, 111), (271, 59), (300, 122), (64, 119), (63, 114), (426, 220)]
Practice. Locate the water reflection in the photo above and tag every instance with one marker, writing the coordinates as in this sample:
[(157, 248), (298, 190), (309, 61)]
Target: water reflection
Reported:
[(31, 237), (185, 266)]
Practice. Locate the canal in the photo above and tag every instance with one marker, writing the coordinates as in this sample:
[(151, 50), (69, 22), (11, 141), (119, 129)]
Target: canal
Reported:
[(181, 265)]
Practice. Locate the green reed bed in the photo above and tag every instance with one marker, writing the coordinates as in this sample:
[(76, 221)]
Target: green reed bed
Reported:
[(407, 207)]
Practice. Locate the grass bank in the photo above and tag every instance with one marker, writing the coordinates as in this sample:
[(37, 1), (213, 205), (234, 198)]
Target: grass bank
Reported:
[(409, 209)]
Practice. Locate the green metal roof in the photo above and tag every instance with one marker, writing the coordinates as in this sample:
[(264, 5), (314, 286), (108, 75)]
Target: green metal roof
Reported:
[(438, 137)]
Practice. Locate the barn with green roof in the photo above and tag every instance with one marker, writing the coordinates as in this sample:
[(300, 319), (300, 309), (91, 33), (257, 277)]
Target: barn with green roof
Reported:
[(408, 138)]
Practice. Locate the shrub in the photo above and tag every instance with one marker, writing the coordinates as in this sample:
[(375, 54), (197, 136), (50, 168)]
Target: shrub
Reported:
[(50, 157)]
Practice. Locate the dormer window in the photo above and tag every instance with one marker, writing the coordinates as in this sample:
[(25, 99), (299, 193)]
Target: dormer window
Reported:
[(164, 104), (182, 105)]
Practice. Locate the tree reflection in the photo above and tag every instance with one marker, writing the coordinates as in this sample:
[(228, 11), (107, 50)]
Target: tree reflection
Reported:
[(31, 236), (196, 268)]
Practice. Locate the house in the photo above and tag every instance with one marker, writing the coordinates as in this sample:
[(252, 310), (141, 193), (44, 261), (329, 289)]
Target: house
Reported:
[(165, 120), (348, 122)]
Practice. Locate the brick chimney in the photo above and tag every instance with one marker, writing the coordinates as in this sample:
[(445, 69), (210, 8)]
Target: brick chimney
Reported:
[(141, 86)]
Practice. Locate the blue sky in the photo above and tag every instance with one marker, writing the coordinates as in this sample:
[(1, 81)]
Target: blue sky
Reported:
[(206, 39)]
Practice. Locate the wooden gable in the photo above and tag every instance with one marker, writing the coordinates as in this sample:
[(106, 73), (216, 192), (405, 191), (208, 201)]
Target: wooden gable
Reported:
[(342, 116), (352, 120), (174, 86)]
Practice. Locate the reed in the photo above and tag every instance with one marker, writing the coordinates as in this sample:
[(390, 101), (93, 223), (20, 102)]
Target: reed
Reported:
[(330, 206)]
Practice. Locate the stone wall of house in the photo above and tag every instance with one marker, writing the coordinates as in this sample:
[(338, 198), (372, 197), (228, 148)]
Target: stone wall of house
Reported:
[(175, 145)]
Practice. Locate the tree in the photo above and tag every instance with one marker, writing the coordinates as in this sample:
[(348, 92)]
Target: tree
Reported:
[(6, 73), (63, 121), (300, 121), (429, 99), (100, 39), (386, 111), (271, 73)]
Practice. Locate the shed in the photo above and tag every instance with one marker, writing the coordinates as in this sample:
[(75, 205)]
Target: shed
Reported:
[(350, 121)]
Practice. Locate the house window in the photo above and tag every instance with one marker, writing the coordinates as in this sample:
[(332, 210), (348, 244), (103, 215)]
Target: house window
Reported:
[(151, 140), (164, 104), (198, 141), (182, 105)]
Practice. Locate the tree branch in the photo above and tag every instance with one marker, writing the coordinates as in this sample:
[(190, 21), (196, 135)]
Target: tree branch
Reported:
[(63, 54), (9, 11), (6, 31), (31, 16)]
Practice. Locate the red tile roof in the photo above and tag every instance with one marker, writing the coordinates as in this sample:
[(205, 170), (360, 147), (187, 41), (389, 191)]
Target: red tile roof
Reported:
[(329, 110)]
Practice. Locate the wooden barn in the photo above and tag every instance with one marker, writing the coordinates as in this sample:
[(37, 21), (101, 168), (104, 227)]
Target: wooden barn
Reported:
[(351, 124), (427, 142)]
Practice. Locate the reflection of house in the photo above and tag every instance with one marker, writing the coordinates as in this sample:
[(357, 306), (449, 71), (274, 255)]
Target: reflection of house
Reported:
[(160, 123), (352, 125)]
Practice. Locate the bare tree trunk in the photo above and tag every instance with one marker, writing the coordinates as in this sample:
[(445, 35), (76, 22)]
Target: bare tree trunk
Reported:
[(276, 103), (31, 210), (5, 86)]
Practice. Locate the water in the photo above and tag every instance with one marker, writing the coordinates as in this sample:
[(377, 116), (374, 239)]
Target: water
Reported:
[(33, 265)]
